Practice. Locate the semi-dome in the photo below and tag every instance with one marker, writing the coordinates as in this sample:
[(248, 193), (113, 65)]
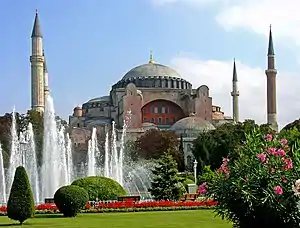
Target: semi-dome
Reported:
[(191, 126), (151, 69)]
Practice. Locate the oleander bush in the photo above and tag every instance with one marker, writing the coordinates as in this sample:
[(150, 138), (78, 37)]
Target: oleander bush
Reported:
[(256, 188), (70, 200), (100, 188)]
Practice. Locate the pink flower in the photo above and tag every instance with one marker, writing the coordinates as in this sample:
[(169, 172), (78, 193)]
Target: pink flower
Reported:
[(284, 180), (246, 179), (288, 164), (281, 152), (202, 188), (272, 151), (262, 157), (269, 137), (225, 161), (278, 190), (272, 170), (283, 141)]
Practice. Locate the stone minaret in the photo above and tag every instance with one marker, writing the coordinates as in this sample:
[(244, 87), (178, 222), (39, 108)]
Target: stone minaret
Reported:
[(46, 85), (37, 67), (271, 73), (235, 95)]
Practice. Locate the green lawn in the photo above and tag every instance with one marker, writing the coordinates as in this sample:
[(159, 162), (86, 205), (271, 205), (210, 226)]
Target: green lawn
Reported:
[(165, 219)]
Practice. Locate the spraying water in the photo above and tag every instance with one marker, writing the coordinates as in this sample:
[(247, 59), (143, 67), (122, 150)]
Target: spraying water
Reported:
[(30, 161), (15, 159), (2, 179), (54, 166)]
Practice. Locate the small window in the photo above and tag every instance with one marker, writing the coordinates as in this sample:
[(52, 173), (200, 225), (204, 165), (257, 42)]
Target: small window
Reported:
[(78, 124), (152, 120), (159, 120), (155, 110), (163, 109), (166, 109)]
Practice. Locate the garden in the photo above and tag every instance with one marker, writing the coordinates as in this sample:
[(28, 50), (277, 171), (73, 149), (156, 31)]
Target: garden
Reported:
[(256, 184)]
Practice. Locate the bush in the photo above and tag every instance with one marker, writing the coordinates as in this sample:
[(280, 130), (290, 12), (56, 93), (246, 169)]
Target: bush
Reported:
[(256, 190), (100, 188), (206, 176), (20, 205), (70, 200)]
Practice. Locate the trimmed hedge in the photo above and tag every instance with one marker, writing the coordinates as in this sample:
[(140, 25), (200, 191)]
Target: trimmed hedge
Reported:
[(100, 188), (70, 200), (20, 205)]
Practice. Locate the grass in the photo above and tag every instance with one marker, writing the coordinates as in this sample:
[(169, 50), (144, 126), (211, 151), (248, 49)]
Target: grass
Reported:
[(165, 219)]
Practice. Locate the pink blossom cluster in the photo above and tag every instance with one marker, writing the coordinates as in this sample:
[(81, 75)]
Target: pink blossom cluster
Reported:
[(281, 153), (224, 167), (202, 189)]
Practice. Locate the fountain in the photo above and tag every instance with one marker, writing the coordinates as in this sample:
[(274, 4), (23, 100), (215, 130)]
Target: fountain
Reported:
[(57, 167), (54, 170), (2, 179), (30, 161), (135, 177)]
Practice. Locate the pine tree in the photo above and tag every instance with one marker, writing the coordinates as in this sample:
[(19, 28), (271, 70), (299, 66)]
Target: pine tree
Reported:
[(166, 181), (20, 205)]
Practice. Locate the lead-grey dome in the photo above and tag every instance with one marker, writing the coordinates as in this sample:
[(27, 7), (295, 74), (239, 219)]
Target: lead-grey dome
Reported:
[(191, 126), (151, 70)]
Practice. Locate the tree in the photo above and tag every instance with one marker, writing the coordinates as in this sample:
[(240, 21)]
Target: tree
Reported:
[(166, 181), (210, 147), (154, 142), (20, 205)]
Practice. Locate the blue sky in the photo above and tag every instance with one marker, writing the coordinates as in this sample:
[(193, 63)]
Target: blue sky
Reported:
[(90, 45)]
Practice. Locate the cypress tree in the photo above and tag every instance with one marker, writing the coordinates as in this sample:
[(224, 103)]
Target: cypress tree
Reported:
[(166, 181), (20, 205)]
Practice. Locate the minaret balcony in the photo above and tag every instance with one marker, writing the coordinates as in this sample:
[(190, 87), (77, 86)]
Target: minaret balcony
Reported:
[(36, 58)]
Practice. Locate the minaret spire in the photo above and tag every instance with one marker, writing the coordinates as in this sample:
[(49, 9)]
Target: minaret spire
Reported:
[(37, 67), (36, 31), (235, 95), (151, 60), (271, 73)]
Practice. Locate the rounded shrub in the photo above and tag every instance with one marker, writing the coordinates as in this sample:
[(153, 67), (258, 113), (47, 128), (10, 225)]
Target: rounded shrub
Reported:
[(100, 188), (20, 205), (70, 199)]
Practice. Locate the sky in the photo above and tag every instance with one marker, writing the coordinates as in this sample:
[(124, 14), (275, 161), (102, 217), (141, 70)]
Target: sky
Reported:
[(91, 44)]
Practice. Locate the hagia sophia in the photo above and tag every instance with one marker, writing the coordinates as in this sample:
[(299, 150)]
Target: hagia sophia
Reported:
[(153, 96)]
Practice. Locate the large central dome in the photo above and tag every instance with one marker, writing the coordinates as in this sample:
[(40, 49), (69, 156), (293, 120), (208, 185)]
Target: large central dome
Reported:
[(151, 69)]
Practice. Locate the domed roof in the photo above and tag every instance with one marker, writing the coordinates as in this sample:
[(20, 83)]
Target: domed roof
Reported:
[(100, 99), (191, 126), (151, 69)]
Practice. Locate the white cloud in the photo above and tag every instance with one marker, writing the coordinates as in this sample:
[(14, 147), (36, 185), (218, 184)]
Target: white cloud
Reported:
[(255, 15), (258, 14), (217, 75)]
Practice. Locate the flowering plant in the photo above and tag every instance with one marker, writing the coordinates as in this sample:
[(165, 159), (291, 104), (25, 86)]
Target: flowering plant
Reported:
[(258, 188)]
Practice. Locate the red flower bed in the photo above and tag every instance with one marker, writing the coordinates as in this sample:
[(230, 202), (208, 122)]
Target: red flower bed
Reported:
[(132, 204), (129, 204)]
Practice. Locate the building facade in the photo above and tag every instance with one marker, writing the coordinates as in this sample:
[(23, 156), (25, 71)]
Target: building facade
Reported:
[(148, 96)]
